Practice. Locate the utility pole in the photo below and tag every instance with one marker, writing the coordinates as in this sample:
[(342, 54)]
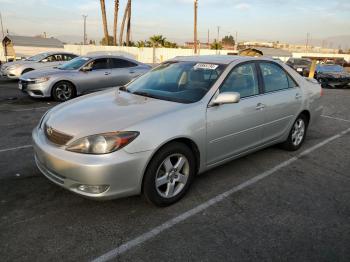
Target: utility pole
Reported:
[(208, 41), (218, 34), (195, 26), (85, 37)]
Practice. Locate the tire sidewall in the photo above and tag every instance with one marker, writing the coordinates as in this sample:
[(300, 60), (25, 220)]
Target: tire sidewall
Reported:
[(149, 188)]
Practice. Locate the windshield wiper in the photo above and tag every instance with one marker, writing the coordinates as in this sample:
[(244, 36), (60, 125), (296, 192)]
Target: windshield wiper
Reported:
[(143, 93)]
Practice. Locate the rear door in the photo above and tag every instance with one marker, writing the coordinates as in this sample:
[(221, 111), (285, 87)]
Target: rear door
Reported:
[(235, 128), (282, 100), (122, 71), (97, 78)]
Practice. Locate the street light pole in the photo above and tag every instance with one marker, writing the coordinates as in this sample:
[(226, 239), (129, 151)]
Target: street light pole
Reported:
[(85, 38), (195, 25)]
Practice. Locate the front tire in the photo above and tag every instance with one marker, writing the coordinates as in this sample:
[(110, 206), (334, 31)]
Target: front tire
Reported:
[(169, 174), (63, 91), (297, 134)]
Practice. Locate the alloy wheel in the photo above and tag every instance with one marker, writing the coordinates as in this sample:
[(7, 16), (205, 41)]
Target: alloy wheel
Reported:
[(298, 132), (172, 175), (63, 92)]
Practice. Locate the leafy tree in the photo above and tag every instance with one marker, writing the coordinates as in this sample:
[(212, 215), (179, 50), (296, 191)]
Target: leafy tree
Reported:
[(216, 45), (105, 42), (228, 40)]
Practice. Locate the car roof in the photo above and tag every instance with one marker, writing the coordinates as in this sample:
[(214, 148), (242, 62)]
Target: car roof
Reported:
[(218, 59), (94, 56), (57, 52)]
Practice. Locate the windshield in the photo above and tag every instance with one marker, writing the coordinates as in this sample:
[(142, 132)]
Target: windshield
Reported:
[(329, 68), (75, 63), (183, 82), (37, 57)]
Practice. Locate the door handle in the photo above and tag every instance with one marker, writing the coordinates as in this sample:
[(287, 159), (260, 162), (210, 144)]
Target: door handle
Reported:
[(298, 96), (107, 73), (260, 106), (132, 72)]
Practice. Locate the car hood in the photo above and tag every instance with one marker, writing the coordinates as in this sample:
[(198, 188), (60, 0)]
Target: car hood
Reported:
[(43, 73), (105, 111), (334, 74), (20, 62)]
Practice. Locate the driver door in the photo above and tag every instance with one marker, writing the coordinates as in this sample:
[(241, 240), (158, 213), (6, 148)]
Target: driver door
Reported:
[(235, 128), (97, 78)]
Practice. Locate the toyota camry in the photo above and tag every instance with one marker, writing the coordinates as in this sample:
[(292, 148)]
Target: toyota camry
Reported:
[(182, 118)]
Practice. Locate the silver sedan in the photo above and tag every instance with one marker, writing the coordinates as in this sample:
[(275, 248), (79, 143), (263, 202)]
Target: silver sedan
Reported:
[(14, 70), (81, 75), (184, 117)]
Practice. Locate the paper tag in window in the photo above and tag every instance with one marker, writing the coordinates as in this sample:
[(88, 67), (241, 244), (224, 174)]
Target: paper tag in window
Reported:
[(205, 66)]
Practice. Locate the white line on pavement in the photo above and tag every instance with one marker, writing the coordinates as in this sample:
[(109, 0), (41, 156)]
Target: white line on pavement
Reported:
[(29, 109), (176, 220), (14, 148), (336, 118)]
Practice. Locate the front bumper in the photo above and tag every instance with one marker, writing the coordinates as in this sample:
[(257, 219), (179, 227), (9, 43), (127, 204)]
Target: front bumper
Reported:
[(34, 89), (121, 171), (10, 74)]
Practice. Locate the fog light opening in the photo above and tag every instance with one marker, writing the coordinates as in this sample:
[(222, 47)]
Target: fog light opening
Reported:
[(93, 189)]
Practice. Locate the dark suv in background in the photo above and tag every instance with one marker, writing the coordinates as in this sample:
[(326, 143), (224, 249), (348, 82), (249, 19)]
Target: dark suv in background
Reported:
[(301, 65)]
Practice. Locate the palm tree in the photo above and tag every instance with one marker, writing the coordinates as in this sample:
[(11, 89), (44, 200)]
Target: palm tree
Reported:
[(127, 14), (116, 9), (157, 40), (104, 20)]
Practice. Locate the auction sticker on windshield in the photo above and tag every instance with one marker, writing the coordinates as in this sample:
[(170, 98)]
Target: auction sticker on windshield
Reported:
[(205, 66)]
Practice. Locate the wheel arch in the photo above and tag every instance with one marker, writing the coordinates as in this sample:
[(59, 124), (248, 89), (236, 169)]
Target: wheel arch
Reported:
[(307, 114), (183, 140), (26, 70), (67, 81)]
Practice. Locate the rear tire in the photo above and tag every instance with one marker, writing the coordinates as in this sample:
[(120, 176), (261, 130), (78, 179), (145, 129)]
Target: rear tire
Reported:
[(63, 91), (297, 134), (169, 174)]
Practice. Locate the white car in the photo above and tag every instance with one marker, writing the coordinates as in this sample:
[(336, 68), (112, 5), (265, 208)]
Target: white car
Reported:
[(13, 70)]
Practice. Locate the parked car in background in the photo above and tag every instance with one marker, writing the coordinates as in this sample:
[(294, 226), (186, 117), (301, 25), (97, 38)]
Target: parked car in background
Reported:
[(183, 117), (81, 75), (13, 70), (332, 76), (301, 65)]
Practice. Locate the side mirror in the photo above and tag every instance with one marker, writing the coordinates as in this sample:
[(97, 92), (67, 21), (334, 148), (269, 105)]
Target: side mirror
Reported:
[(226, 98)]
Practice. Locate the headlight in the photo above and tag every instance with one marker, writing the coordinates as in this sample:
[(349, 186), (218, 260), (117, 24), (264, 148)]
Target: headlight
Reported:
[(40, 80), (102, 143), (13, 67)]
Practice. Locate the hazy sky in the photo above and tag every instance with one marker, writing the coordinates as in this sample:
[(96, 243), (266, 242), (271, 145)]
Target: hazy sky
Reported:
[(284, 20)]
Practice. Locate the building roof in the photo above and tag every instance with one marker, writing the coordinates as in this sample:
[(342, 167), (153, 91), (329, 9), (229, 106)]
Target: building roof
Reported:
[(33, 41), (268, 51)]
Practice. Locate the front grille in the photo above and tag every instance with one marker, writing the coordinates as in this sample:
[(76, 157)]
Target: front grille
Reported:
[(56, 137)]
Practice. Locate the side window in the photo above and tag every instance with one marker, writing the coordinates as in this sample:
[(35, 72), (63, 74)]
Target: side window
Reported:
[(50, 58), (121, 63), (67, 57), (291, 82), (275, 78), (242, 79), (101, 63), (58, 57)]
